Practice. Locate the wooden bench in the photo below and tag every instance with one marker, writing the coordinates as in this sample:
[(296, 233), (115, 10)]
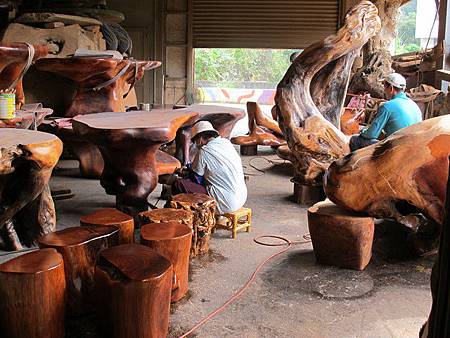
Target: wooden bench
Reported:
[(133, 290), (173, 241), (32, 293), (237, 220)]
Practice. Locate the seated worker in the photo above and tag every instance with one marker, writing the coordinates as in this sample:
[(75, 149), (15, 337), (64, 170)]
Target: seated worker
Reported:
[(397, 113), (216, 170)]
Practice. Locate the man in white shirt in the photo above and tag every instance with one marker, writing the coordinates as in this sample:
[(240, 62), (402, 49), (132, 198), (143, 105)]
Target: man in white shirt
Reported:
[(217, 170)]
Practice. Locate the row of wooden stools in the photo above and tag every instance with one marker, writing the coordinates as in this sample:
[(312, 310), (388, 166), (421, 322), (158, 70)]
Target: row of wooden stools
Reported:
[(98, 267)]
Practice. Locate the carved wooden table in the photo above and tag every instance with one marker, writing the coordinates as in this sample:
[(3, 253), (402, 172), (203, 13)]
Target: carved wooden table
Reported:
[(80, 247), (173, 241), (203, 207), (27, 159), (15, 58), (128, 143), (133, 288), (222, 118), (30, 116), (102, 82), (33, 294)]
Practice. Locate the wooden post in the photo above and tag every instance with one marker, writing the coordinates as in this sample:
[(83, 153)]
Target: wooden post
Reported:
[(340, 237), (112, 217), (173, 241), (308, 194), (80, 247), (32, 293), (249, 150), (203, 207), (133, 289)]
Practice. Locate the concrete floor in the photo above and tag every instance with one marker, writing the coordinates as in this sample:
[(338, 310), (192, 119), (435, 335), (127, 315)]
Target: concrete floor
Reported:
[(293, 296)]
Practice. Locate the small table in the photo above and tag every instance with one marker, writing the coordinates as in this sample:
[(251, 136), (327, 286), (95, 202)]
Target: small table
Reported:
[(128, 143), (101, 82), (26, 163), (30, 115)]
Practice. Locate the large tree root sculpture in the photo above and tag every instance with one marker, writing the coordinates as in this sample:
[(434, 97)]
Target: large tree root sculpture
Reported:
[(27, 211), (403, 175), (311, 95)]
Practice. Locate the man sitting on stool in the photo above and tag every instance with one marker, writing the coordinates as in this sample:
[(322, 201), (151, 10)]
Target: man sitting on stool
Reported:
[(216, 170), (397, 113)]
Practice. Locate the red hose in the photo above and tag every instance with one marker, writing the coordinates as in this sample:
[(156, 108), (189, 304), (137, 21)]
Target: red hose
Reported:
[(238, 294)]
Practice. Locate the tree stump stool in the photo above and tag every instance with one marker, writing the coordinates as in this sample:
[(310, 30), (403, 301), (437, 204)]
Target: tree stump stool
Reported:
[(133, 289), (203, 208), (33, 293), (112, 217), (165, 215), (340, 237), (173, 241), (80, 247)]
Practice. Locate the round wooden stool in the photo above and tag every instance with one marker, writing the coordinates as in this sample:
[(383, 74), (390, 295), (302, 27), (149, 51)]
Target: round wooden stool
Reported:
[(32, 293), (112, 217), (133, 290), (80, 247), (173, 241), (340, 237), (165, 215), (203, 208)]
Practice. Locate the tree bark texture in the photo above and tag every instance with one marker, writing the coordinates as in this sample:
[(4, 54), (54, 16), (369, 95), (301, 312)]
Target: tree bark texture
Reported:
[(311, 95), (165, 215)]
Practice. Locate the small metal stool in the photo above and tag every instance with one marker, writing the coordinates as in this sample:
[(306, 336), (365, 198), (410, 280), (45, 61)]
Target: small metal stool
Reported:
[(237, 220)]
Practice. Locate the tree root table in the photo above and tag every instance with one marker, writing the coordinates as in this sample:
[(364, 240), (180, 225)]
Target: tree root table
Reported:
[(128, 143), (27, 211), (165, 215), (29, 116), (102, 82), (15, 58)]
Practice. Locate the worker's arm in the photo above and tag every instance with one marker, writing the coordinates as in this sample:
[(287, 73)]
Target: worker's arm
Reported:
[(374, 131)]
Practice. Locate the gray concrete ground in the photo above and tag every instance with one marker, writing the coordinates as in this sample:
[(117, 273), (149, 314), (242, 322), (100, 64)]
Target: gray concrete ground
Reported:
[(293, 296)]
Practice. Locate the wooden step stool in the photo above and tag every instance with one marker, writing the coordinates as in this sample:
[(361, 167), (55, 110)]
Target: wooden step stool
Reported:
[(237, 220), (33, 293)]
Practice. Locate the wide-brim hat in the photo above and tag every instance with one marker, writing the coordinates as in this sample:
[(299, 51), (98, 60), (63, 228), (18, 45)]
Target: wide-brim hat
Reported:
[(201, 127)]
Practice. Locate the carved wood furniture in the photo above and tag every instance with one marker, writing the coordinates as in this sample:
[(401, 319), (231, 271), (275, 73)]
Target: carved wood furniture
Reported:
[(222, 118), (80, 247), (310, 97), (15, 58), (166, 215), (102, 82), (128, 143), (133, 290), (397, 178), (30, 116), (340, 237), (173, 241), (112, 217), (237, 220), (33, 295), (203, 207), (27, 159), (263, 130)]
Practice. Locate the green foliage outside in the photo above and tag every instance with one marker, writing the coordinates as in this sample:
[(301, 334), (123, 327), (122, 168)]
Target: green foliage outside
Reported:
[(406, 27), (230, 67)]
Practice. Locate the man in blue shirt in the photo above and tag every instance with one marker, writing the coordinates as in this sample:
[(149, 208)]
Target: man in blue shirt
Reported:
[(397, 113)]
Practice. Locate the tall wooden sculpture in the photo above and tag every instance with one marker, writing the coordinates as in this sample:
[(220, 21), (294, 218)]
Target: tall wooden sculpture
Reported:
[(310, 97)]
